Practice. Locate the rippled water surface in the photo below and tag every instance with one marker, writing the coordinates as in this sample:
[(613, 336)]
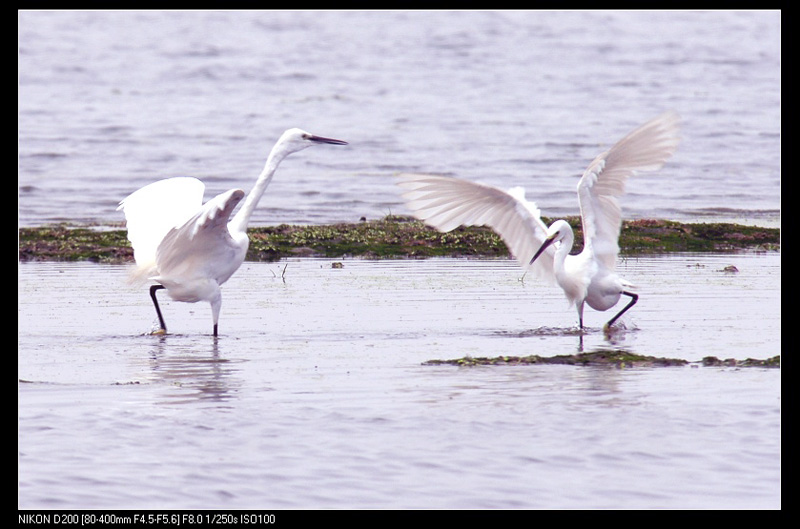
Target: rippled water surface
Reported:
[(315, 394), (112, 100)]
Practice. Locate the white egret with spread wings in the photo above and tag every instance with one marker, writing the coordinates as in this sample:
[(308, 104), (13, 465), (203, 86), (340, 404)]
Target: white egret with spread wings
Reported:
[(586, 278), (190, 248)]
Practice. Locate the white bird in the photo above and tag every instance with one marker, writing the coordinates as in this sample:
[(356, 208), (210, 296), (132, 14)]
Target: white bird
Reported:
[(190, 248), (586, 278)]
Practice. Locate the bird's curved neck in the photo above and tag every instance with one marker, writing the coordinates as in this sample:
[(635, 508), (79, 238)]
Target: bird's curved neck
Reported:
[(242, 218), (564, 247)]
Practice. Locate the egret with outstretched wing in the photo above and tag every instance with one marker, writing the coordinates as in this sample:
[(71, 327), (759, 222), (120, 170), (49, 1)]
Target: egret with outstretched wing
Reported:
[(586, 278), (190, 248)]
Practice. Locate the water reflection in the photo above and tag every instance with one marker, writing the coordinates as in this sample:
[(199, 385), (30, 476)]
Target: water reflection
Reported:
[(195, 367)]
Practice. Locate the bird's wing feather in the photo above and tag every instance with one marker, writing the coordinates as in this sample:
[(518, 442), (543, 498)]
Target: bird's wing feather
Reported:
[(446, 203), (153, 210), (645, 149), (201, 242)]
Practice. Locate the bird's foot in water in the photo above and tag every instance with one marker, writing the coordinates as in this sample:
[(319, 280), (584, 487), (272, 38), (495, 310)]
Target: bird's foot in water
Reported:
[(612, 329), (157, 329), (619, 324), (614, 333), (616, 330)]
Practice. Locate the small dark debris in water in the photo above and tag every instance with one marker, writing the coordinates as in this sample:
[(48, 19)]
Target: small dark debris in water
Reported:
[(600, 358), (730, 269), (337, 264)]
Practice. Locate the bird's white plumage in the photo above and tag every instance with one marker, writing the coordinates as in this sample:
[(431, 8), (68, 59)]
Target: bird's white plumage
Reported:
[(203, 247), (446, 203), (155, 209), (645, 149)]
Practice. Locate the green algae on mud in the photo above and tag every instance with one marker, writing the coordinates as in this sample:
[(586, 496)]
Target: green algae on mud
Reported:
[(611, 358), (67, 243), (395, 237)]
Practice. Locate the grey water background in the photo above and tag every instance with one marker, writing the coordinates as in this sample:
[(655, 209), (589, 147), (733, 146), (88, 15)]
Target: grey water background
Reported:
[(315, 394), (110, 101)]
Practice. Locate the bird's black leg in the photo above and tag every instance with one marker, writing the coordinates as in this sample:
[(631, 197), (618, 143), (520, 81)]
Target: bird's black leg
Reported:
[(634, 299), (158, 309), (215, 329)]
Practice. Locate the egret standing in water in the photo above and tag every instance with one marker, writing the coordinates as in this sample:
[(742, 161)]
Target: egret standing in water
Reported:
[(190, 248), (586, 278)]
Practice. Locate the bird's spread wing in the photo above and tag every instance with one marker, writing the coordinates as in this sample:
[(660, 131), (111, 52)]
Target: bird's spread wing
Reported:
[(446, 203), (202, 242), (644, 149), (155, 209)]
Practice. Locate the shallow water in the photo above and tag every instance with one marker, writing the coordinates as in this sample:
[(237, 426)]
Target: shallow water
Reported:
[(112, 100), (315, 396)]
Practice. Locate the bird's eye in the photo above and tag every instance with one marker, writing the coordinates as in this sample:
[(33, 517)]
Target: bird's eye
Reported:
[(306, 136)]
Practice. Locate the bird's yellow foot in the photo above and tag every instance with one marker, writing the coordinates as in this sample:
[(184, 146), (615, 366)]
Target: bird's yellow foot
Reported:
[(158, 332)]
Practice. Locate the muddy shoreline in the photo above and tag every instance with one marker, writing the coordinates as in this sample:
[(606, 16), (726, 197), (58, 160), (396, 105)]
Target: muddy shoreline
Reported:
[(395, 237)]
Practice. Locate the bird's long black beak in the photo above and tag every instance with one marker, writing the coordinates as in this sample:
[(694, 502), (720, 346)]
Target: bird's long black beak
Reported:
[(320, 139), (542, 248)]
